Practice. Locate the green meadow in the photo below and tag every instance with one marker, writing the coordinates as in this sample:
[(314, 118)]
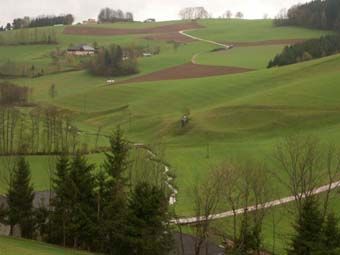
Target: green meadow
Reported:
[(232, 117)]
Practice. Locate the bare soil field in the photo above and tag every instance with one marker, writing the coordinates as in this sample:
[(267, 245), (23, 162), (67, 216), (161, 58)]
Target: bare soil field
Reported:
[(100, 31), (187, 71), (265, 43)]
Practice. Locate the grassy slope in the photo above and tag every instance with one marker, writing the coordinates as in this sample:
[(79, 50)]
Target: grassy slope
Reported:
[(250, 30), (237, 115), (256, 57), (13, 246)]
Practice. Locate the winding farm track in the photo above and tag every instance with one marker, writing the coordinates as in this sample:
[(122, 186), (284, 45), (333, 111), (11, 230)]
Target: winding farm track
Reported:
[(184, 32), (278, 202)]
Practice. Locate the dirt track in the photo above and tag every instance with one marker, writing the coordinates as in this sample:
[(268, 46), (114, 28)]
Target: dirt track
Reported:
[(173, 36), (266, 43), (83, 30), (187, 71)]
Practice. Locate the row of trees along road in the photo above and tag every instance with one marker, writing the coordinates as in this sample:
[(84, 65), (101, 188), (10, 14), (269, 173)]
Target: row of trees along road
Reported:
[(321, 14), (102, 211), (306, 165), (111, 15)]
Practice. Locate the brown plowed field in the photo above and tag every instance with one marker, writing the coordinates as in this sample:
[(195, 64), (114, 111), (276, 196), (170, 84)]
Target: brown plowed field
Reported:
[(83, 30), (187, 71), (265, 43), (173, 36)]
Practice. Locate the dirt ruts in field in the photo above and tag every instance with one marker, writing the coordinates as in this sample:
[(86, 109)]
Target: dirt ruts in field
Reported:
[(102, 31), (187, 71), (266, 43)]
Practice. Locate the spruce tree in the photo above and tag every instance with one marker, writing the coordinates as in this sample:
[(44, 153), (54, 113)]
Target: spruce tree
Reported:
[(20, 197), (148, 229), (113, 200), (82, 202), (308, 230), (61, 202)]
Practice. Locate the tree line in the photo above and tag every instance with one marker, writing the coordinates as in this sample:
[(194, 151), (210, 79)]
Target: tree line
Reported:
[(42, 21), (26, 37), (308, 50), (41, 130), (114, 61), (100, 211), (108, 15), (320, 14)]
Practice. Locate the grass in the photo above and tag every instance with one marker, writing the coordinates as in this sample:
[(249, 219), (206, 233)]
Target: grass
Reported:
[(256, 57), (15, 246), (241, 115), (236, 117), (235, 30)]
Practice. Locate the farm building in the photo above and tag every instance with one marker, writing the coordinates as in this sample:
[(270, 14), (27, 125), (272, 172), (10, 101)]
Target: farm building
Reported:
[(89, 21), (81, 50), (149, 20)]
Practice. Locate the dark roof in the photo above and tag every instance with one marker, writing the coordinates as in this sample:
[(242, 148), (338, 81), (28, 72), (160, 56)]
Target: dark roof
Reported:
[(41, 199), (81, 47)]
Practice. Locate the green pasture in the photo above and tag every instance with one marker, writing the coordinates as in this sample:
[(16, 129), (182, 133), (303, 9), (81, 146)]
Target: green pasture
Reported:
[(236, 30), (256, 57)]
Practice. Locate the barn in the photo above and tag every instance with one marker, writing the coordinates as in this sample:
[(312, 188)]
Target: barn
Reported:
[(81, 50)]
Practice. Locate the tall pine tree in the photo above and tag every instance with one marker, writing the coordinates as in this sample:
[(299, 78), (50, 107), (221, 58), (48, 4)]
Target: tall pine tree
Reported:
[(20, 197), (61, 202), (82, 202), (308, 230), (148, 228), (113, 200)]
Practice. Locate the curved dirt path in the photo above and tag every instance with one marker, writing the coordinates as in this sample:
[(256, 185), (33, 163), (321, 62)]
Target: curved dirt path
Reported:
[(282, 201), (193, 59), (183, 32)]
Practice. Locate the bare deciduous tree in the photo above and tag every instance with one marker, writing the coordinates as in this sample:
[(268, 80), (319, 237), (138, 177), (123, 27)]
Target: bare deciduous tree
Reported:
[(194, 13), (206, 198)]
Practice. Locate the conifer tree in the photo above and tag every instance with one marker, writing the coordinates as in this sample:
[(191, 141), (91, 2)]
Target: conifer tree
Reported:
[(20, 199), (61, 202), (148, 229), (308, 230), (113, 200), (82, 202)]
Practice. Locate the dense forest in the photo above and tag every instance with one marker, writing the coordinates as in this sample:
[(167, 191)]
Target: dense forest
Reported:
[(308, 50), (42, 21), (320, 14)]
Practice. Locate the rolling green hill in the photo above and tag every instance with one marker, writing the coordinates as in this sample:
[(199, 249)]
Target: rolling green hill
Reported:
[(238, 116)]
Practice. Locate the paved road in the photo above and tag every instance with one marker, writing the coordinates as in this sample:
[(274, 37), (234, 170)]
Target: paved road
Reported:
[(282, 201)]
